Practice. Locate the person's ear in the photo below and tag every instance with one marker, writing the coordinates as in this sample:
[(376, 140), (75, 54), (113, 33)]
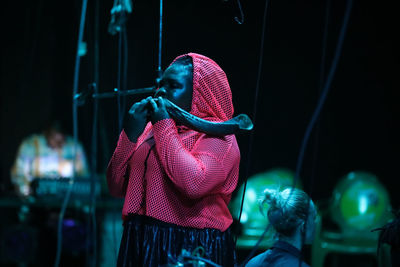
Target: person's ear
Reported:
[(303, 227)]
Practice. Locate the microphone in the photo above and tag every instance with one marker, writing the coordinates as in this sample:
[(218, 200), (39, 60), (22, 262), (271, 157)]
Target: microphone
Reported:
[(119, 16), (81, 97)]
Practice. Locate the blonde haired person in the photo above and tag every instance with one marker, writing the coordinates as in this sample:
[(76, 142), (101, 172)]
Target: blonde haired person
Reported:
[(292, 214)]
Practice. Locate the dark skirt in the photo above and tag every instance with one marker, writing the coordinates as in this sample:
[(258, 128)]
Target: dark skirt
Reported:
[(150, 242)]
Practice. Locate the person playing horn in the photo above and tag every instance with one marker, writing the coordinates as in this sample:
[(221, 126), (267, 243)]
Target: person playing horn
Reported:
[(177, 182)]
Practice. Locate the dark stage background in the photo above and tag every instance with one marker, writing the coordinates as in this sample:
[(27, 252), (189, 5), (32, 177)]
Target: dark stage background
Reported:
[(359, 125)]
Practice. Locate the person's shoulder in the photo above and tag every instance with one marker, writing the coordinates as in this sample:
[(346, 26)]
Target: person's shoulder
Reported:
[(294, 261), (258, 260), (31, 139), (69, 138), (69, 141)]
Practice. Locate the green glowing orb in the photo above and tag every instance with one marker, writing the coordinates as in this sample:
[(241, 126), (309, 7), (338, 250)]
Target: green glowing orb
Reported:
[(361, 203)]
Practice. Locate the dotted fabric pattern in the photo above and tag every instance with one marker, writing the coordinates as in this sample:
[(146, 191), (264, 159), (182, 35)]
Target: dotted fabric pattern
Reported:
[(178, 175)]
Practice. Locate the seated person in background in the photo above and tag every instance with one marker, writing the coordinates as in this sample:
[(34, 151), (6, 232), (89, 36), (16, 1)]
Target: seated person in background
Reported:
[(390, 234), (292, 214), (47, 155)]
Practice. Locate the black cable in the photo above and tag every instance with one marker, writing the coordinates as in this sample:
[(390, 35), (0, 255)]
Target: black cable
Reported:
[(94, 177), (253, 251), (241, 20), (119, 80), (75, 130), (251, 137), (159, 69), (317, 126), (320, 87), (124, 68), (95, 128), (122, 71), (122, 85), (92, 222), (325, 91), (320, 103)]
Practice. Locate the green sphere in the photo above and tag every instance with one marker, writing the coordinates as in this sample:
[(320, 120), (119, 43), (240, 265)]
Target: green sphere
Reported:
[(361, 202)]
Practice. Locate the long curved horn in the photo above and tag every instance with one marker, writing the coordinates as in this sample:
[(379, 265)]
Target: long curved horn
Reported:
[(238, 124)]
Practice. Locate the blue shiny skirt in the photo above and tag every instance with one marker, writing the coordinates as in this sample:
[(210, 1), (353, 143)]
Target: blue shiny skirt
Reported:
[(150, 242)]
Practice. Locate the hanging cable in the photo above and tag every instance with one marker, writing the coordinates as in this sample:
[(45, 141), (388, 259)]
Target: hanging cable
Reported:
[(317, 125), (324, 92), (320, 87), (94, 178), (159, 69), (75, 131), (91, 240), (323, 89), (125, 62), (119, 16), (119, 82), (251, 137), (241, 19), (317, 111), (117, 24), (122, 73)]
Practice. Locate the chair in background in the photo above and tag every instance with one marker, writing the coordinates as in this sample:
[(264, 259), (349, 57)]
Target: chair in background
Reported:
[(359, 204), (252, 222)]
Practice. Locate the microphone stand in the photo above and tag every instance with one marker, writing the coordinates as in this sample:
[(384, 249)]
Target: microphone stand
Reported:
[(82, 97), (145, 90), (119, 12)]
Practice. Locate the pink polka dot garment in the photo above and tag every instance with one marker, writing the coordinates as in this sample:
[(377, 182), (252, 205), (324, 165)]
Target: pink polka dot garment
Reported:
[(178, 175)]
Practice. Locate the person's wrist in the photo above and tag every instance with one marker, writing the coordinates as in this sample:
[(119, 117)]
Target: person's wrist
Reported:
[(159, 117)]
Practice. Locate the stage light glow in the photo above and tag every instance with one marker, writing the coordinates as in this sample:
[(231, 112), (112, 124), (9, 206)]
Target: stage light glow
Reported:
[(363, 204)]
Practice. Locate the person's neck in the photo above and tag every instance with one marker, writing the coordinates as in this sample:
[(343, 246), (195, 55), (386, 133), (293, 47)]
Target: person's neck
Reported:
[(294, 240)]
